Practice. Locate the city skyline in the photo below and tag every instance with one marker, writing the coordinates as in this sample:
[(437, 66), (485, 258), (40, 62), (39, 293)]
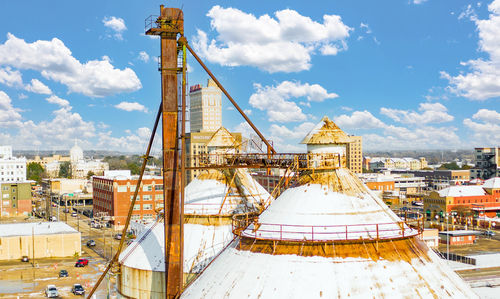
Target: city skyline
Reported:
[(402, 74)]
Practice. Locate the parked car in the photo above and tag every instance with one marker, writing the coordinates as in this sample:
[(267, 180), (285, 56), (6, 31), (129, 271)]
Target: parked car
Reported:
[(74, 214), (95, 224), (25, 259), (118, 236), (90, 243), (82, 263), (63, 273), (53, 218), (488, 233), (51, 291), (78, 289)]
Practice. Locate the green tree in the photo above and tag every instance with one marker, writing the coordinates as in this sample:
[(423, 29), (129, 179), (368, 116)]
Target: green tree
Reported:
[(134, 168), (35, 172), (65, 170), (450, 166), (90, 174)]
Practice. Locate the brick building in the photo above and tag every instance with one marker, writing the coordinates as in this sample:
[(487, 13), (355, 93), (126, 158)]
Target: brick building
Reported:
[(15, 198), (458, 237), (113, 194), (465, 200)]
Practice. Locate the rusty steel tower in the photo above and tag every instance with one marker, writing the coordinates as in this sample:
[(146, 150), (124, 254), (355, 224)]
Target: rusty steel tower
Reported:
[(170, 25)]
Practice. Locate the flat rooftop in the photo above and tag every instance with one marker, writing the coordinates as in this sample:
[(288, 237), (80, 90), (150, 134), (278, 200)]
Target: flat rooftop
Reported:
[(37, 228), (460, 232)]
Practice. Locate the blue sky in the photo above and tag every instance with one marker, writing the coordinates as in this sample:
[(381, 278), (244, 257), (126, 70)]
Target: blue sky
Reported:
[(403, 74)]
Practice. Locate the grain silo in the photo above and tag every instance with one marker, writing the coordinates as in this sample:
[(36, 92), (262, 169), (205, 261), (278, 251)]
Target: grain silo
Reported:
[(327, 237), (211, 200)]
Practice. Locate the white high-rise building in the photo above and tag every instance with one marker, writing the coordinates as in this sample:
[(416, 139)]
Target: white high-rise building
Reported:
[(206, 107), (12, 169)]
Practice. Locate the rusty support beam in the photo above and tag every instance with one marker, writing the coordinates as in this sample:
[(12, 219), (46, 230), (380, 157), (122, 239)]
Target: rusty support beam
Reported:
[(170, 24), (270, 148), (132, 203)]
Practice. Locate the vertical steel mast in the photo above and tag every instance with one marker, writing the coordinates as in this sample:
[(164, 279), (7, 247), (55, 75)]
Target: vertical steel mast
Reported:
[(170, 24)]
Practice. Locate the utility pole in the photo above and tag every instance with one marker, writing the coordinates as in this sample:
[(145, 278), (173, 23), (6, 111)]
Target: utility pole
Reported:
[(104, 246), (447, 239), (33, 243)]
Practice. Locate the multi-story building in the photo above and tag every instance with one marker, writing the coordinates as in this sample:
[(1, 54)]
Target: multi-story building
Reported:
[(81, 168), (379, 163), (12, 169), (15, 198), (354, 154), (205, 107), (403, 183), (479, 200), (44, 160), (439, 179), (113, 194), (487, 160), (198, 143)]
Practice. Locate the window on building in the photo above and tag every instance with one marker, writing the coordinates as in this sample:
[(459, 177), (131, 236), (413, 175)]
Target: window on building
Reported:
[(147, 188), (147, 207), (137, 207), (158, 187), (159, 197), (121, 188), (146, 197), (132, 197)]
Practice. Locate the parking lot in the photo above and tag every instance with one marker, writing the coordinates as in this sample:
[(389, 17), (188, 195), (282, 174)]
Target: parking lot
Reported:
[(22, 280)]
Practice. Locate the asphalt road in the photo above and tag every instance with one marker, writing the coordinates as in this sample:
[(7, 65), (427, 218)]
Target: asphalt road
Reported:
[(106, 244)]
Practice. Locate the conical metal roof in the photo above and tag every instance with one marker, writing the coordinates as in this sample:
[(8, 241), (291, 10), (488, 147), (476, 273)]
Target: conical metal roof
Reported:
[(326, 132), (327, 237), (213, 194)]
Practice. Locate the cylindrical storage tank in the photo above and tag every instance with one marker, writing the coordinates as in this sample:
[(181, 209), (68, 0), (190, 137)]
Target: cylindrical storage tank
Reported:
[(142, 266), (210, 202)]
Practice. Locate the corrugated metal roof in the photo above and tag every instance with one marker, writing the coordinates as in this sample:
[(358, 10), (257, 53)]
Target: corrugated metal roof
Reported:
[(493, 183), (460, 191), (326, 132)]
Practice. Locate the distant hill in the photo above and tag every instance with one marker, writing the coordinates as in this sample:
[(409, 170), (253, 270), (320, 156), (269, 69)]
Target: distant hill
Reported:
[(432, 156)]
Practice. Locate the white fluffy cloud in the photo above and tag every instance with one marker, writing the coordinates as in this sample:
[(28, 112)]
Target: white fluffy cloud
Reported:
[(275, 100), (483, 79), (427, 137), (284, 43), (95, 78), (115, 24), (58, 132), (284, 133), (486, 127), (132, 142), (429, 113), (359, 120), (58, 101), (10, 77), (131, 106), (9, 116), (37, 86), (143, 56)]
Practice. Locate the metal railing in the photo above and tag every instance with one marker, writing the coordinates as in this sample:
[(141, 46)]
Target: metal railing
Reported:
[(258, 160), (249, 227), (150, 22)]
